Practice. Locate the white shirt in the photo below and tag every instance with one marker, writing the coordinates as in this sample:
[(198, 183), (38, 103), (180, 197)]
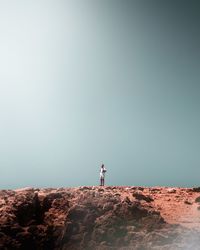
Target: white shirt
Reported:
[(102, 172)]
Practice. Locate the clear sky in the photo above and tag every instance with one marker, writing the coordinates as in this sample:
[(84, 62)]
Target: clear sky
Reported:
[(86, 82)]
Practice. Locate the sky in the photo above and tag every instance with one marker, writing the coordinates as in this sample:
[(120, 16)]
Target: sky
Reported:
[(86, 82)]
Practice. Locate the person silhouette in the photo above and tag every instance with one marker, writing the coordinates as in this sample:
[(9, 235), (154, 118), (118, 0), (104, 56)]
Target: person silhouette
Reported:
[(102, 175)]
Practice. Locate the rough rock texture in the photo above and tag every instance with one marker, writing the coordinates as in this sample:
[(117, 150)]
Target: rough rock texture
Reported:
[(100, 218)]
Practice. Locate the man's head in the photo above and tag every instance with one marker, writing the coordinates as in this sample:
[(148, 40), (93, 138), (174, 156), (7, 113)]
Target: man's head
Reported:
[(102, 165)]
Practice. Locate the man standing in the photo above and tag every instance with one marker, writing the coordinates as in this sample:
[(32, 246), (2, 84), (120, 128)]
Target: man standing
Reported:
[(102, 175)]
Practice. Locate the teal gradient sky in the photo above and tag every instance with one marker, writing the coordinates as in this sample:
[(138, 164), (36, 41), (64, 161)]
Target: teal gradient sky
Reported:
[(85, 82)]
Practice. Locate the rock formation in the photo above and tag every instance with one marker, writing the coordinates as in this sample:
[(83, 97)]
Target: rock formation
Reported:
[(102, 218)]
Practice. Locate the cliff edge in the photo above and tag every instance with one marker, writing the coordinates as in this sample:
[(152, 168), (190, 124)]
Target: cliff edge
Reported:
[(95, 217)]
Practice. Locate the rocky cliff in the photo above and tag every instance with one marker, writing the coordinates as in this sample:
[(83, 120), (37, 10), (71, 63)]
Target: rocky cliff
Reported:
[(101, 218)]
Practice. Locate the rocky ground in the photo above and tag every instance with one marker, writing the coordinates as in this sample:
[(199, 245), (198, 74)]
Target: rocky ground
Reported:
[(102, 218)]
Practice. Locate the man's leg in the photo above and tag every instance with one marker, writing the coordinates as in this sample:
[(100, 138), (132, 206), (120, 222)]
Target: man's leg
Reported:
[(100, 181), (103, 182)]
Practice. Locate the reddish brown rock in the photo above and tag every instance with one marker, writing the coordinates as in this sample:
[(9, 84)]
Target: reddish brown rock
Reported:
[(99, 218), (140, 196)]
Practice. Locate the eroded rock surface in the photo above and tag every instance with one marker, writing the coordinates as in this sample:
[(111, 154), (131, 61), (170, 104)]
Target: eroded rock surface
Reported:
[(100, 218)]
